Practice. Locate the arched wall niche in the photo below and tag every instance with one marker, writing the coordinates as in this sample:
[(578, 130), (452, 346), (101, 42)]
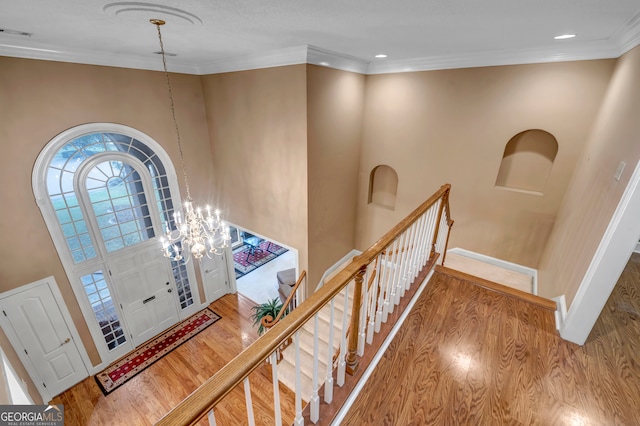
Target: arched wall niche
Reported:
[(527, 161), (383, 186)]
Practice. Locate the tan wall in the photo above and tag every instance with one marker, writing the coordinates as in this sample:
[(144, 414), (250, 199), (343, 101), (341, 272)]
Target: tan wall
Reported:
[(258, 131), (593, 194), (452, 126), (40, 99), (334, 125)]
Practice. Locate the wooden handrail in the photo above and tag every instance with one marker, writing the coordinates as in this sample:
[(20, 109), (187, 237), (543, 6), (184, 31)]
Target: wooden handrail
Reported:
[(267, 321), (212, 391)]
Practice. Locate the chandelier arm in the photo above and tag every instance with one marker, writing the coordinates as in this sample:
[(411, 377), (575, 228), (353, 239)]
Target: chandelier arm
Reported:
[(173, 111)]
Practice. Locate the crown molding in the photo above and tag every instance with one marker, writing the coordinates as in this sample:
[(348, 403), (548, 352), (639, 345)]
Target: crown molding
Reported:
[(288, 56), (629, 35), (595, 50), (330, 59), (48, 53), (614, 47), (274, 58)]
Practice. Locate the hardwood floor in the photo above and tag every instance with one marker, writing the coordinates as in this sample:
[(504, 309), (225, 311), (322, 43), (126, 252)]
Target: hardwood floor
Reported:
[(479, 358), (144, 399)]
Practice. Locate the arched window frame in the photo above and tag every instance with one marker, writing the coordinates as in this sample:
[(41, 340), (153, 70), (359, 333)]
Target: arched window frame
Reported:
[(73, 270)]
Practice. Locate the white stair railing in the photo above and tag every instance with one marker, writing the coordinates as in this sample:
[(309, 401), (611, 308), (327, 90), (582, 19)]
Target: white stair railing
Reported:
[(379, 277)]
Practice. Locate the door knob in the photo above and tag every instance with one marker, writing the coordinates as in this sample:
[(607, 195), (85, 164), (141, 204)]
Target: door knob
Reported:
[(67, 340), (169, 291)]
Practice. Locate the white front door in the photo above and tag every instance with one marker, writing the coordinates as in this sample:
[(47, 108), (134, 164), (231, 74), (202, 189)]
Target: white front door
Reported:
[(215, 275), (41, 330), (144, 288)]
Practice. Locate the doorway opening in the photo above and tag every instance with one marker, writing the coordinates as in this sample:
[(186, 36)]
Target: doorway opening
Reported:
[(257, 260)]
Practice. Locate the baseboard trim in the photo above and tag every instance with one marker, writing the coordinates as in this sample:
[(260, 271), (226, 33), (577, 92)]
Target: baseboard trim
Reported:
[(533, 273), (561, 310)]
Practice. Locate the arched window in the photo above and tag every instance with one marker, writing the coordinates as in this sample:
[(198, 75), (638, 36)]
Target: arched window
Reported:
[(105, 192), (527, 161), (383, 186)]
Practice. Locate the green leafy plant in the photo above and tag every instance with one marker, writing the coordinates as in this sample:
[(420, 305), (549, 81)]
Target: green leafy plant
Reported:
[(271, 308)]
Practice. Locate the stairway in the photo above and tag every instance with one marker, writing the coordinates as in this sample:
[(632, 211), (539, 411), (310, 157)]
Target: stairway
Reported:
[(286, 366)]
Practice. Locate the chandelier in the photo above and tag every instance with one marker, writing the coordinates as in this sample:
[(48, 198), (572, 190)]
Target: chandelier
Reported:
[(198, 232)]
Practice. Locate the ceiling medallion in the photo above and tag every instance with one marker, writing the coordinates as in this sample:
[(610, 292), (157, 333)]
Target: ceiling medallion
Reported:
[(146, 9)]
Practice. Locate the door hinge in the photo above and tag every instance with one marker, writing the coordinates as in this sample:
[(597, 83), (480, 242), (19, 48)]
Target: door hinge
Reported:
[(25, 351), (121, 306), (131, 335), (110, 272), (5, 314), (44, 384)]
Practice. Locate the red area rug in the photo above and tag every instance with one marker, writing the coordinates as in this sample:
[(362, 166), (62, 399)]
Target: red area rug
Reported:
[(126, 368), (246, 261)]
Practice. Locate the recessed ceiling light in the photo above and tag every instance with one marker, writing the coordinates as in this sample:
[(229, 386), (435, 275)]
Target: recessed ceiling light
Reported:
[(324, 63), (381, 56), (564, 36)]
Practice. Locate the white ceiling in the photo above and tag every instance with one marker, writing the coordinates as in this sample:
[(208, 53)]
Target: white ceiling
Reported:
[(211, 36)]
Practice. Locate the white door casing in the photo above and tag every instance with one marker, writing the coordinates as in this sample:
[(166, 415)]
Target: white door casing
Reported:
[(215, 276), (41, 331)]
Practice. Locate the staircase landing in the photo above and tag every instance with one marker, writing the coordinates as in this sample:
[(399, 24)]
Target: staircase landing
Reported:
[(484, 270)]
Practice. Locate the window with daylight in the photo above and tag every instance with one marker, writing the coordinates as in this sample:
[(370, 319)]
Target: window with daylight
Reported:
[(108, 192)]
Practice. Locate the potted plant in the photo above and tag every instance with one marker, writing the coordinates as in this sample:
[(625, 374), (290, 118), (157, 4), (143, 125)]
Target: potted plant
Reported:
[(271, 308)]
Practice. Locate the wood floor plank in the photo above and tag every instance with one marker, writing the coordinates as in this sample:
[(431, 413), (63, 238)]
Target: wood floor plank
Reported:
[(144, 399), (478, 357)]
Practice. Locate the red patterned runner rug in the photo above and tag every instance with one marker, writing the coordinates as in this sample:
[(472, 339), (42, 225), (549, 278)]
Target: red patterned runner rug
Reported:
[(126, 368)]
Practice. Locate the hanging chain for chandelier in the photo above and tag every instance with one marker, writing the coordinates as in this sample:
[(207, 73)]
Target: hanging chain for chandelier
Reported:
[(196, 233)]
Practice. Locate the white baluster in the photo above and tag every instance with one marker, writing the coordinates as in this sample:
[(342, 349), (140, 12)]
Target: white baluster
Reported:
[(387, 283), (247, 400), (430, 234), (418, 247), (406, 282), (382, 288), (276, 390), (392, 274), (362, 324), (342, 364), (298, 399), (396, 272), (328, 382), (426, 234), (212, 418), (426, 225), (374, 299), (314, 401), (406, 235)]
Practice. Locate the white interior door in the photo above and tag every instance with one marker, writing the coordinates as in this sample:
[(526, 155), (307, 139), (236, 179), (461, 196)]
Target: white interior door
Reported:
[(40, 328), (215, 275), (145, 291)]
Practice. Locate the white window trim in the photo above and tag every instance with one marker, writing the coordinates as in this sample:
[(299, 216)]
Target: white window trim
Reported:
[(71, 269)]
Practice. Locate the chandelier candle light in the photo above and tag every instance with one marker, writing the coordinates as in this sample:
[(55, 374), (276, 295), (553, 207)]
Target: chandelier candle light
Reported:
[(197, 233)]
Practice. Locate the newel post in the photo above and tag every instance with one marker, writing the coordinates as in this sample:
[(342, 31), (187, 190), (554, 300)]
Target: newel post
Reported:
[(443, 203), (351, 359)]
